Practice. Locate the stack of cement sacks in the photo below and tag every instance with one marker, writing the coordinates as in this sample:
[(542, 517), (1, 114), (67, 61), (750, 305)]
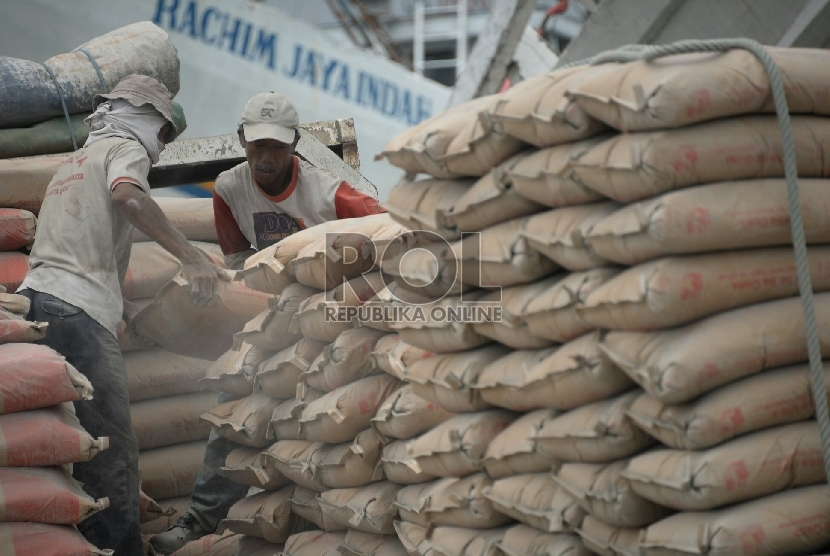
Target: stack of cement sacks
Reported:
[(643, 390), (40, 439)]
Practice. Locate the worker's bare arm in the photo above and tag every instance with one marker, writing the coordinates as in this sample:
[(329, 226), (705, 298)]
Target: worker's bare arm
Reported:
[(145, 214)]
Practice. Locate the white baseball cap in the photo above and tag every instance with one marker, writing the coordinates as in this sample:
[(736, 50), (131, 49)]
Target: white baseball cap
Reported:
[(270, 116)]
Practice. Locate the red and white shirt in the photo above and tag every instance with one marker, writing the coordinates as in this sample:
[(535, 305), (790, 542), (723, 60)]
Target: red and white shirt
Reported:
[(246, 216)]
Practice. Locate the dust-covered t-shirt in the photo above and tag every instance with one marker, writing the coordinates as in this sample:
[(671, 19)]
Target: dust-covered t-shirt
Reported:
[(82, 245)]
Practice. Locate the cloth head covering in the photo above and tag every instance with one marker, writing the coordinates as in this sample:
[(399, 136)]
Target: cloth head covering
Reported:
[(139, 90), (119, 118)]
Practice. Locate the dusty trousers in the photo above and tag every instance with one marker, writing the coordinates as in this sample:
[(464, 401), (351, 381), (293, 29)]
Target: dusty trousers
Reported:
[(113, 473)]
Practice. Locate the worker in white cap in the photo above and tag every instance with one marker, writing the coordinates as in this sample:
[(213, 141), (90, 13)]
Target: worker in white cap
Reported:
[(77, 267), (270, 196)]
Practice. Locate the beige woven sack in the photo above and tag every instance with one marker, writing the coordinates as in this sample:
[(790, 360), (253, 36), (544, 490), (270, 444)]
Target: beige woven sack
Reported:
[(428, 273), (538, 110), (173, 508), (455, 447), (420, 205), (633, 166), (401, 468), (410, 535), (234, 372), (357, 543), (296, 460), (171, 471), (244, 421), (459, 541), (604, 492), (742, 469), (23, 181), (314, 543), (552, 314), (521, 540), (442, 335), (266, 515), (715, 217), (595, 433), (452, 502), (277, 376), (511, 330), (344, 361), (605, 540), (342, 413), (244, 466), (515, 450), (393, 355), (157, 373), (680, 364), (370, 509), (793, 522), (757, 402), (171, 420), (405, 415), (678, 290), (448, 380), (270, 329), (150, 268), (675, 91), (559, 234), (536, 500), (285, 420), (563, 378), (192, 217), (306, 504), (352, 464)]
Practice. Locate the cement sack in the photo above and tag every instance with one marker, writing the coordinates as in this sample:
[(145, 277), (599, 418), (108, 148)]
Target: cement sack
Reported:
[(455, 143), (448, 380), (269, 329), (604, 492), (370, 509), (456, 447), (559, 234), (192, 217), (15, 304), (314, 316), (536, 500), (793, 522), (453, 502), (157, 373), (296, 460), (563, 378), (233, 373), (45, 495), (548, 177), (343, 361), (305, 503), (401, 468), (14, 265), (678, 290), (420, 205), (277, 376), (352, 464), (430, 272), (600, 538), (17, 229), (244, 466), (339, 255), (754, 403), (21, 331), (148, 510), (521, 540), (715, 217), (23, 181), (46, 437), (515, 450), (32, 97), (266, 515), (595, 433), (679, 90), (226, 544), (745, 468), (150, 268), (393, 355), (633, 166), (458, 541), (314, 543), (491, 200), (678, 365), (391, 238), (267, 270), (35, 376), (500, 256), (285, 420), (171, 471), (553, 314), (28, 539), (244, 421), (357, 543), (175, 323), (405, 415), (171, 420), (511, 330), (342, 413), (426, 327), (410, 535), (539, 111), (173, 509)]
